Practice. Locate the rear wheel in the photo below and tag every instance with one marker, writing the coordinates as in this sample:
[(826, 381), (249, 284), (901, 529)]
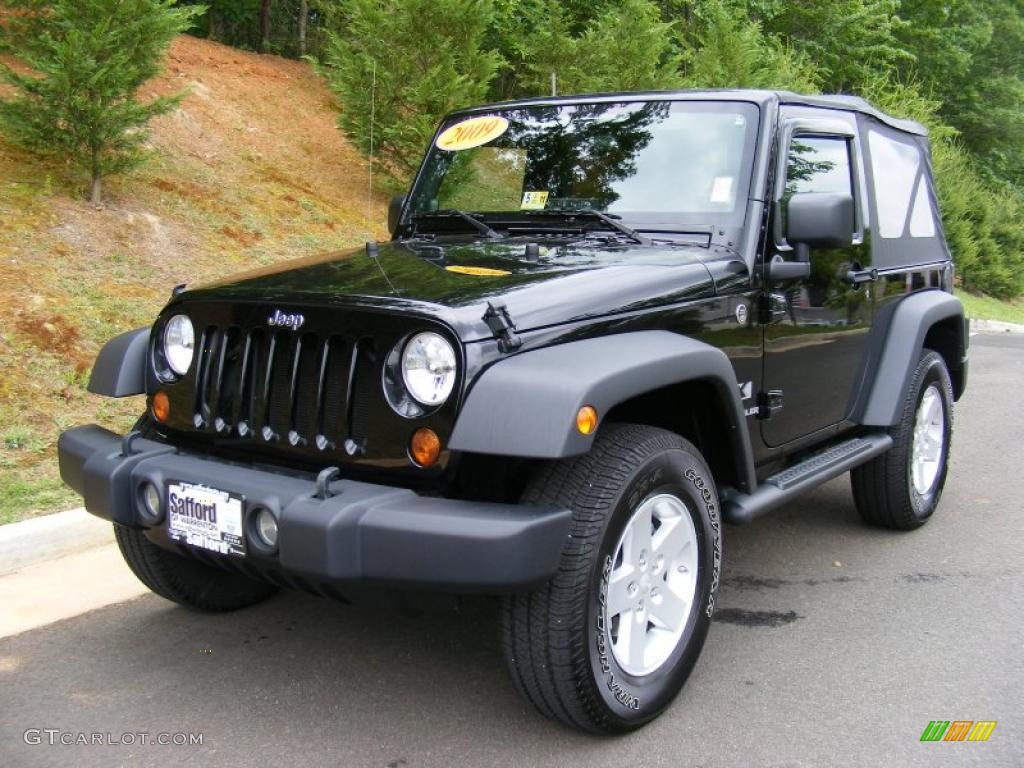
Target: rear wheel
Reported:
[(186, 581), (901, 488), (608, 643)]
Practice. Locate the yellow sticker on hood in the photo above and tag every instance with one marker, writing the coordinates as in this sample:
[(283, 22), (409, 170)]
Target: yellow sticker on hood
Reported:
[(479, 271), (472, 132)]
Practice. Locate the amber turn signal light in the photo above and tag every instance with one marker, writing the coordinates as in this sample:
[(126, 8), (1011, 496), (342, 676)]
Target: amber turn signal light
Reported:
[(425, 447), (586, 419), (161, 406)]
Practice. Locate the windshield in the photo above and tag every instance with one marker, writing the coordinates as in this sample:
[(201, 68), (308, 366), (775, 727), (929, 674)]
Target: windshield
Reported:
[(658, 164)]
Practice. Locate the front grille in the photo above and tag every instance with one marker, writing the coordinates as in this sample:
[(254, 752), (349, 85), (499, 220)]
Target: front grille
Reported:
[(277, 386), (299, 399)]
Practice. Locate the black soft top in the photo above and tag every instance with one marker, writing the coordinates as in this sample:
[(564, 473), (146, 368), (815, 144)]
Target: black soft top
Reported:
[(760, 97)]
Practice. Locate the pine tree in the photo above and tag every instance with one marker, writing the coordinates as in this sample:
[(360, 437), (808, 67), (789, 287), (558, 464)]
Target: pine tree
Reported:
[(87, 60), (725, 48), (399, 65)]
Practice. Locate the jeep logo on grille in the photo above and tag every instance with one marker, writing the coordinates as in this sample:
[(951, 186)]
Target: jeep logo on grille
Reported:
[(284, 320)]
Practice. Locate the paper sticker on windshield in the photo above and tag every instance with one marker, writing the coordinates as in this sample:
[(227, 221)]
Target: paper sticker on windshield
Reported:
[(478, 271), (472, 132), (534, 201), (721, 190)]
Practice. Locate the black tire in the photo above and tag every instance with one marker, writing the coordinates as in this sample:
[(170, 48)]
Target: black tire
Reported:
[(186, 581), (883, 488), (555, 646)]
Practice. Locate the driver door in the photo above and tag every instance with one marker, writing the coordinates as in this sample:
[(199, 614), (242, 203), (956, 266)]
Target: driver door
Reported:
[(816, 327)]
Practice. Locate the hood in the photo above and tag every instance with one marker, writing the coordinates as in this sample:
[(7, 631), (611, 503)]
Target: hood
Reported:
[(454, 282)]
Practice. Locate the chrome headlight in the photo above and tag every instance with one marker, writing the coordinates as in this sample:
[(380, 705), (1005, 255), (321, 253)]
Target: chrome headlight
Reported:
[(179, 343), (428, 368)]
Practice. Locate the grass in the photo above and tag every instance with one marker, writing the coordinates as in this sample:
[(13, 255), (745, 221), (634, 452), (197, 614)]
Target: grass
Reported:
[(19, 495), (983, 307)]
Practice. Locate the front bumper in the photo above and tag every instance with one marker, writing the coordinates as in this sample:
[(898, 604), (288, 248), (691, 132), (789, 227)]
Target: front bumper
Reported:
[(361, 534)]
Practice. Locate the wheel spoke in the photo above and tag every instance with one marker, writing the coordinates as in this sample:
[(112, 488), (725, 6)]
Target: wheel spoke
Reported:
[(638, 639), (618, 599), (934, 410), (668, 610), (638, 536), (671, 539), (629, 645)]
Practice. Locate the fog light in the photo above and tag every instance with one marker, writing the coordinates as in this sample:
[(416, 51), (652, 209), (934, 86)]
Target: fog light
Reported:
[(161, 406), (425, 447), (266, 527), (151, 501), (586, 419)]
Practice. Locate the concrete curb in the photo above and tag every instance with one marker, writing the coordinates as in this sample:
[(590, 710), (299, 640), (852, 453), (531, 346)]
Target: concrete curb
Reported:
[(995, 326), (50, 536)]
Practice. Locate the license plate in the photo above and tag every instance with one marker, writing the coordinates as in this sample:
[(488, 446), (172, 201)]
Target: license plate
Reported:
[(205, 517)]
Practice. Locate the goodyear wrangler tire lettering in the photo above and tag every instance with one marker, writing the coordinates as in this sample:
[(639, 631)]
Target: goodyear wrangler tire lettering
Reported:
[(712, 508), (624, 697), (564, 644)]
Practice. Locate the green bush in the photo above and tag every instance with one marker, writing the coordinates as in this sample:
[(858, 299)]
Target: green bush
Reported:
[(401, 64), (725, 49)]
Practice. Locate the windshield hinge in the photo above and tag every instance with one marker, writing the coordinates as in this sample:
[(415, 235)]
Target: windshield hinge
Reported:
[(501, 325)]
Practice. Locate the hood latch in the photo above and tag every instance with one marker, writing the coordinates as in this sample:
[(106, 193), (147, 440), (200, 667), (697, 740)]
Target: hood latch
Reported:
[(501, 325)]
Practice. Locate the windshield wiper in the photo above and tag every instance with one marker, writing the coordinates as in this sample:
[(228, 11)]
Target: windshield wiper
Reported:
[(476, 223), (610, 221)]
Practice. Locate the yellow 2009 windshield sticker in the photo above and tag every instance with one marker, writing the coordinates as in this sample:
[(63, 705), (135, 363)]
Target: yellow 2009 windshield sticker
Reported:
[(478, 271), (534, 201), (472, 132)]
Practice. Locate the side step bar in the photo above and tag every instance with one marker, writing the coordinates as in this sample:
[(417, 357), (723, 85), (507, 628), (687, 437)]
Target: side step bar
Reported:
[(809, 473)]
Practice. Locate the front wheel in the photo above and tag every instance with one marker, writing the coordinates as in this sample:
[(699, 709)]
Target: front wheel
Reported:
[(607, 644), (185, 581)]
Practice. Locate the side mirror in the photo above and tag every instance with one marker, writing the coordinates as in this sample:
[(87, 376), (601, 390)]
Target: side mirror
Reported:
[(394, 212), (819, 220)]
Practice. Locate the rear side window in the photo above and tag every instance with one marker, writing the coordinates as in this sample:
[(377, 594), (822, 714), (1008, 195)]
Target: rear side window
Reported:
[(901, 188)]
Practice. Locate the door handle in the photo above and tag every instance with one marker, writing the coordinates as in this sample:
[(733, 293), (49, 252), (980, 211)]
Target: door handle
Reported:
[(860, 276)]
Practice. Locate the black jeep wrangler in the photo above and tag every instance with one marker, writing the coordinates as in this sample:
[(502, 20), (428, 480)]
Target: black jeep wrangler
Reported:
[(604, 326)]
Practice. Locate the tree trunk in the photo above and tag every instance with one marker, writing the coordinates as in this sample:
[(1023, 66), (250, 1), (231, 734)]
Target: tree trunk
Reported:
[(264, 26), (95, 195), (303, 18)]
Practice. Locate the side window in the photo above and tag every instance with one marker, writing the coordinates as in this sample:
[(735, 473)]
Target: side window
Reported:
[(818, 164), (897, 169)]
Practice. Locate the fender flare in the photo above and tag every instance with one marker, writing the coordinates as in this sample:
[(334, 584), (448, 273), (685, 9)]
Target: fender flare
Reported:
[(526, 405), (120, 367), (911, 320)]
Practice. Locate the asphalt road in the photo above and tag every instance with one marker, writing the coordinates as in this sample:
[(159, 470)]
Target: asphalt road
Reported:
[(810, 663)]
